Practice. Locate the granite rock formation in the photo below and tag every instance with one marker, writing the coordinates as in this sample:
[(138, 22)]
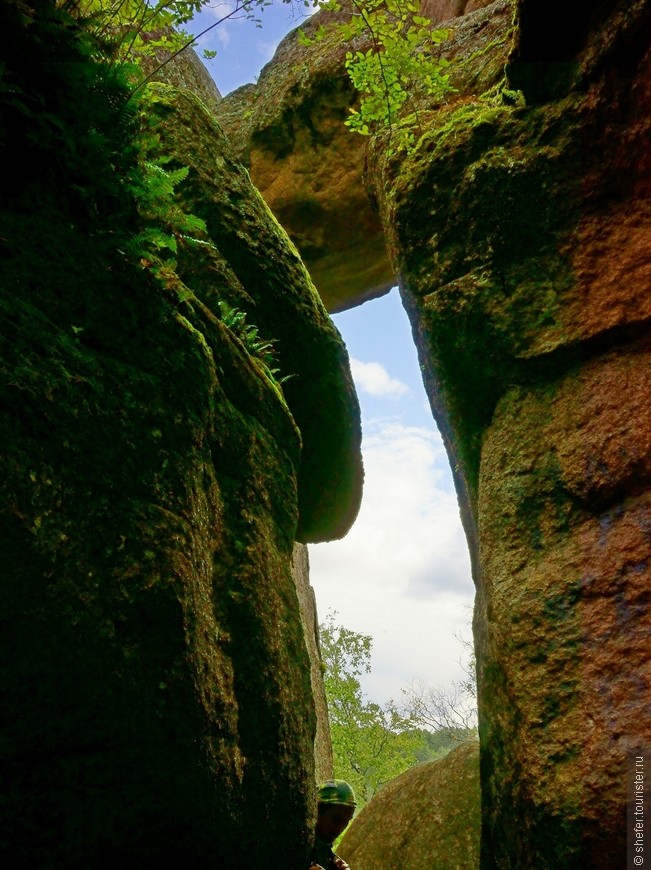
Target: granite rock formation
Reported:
[(428, 818), (520, 231), (288, 131), (184, 71), (157, 702), (323, 762), (262, 274), (522, 234)]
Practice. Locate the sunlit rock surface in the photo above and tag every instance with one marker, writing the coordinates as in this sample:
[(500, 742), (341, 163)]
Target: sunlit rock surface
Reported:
[(185, 71), (428, 818), (288, 129)]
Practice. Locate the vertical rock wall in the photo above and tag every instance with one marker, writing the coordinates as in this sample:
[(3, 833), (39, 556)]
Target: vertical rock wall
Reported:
[(157, 705), (522, 231), (323, 763)]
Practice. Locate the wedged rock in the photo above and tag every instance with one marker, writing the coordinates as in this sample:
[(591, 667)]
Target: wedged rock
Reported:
[(288, 129), (428, 818)]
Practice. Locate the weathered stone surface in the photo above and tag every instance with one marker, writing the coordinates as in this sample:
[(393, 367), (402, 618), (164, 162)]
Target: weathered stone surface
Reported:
[(288, 129), (155, 680), (186, 72), (443, 10), (522, 231), (428, 818), (252, 274), (323, 764), (153, 657), (563, 618)]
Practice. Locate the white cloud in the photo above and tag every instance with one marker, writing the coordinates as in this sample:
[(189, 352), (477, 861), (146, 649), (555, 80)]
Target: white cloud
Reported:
[(223, 36), (402, 573), (373, 378), (220, 10)]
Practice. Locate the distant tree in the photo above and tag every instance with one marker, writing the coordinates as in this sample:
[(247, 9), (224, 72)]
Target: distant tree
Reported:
[(436, 744), (451, 711), (372, 744)]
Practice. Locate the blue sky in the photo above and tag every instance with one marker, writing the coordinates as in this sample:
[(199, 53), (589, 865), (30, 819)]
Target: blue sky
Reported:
[(402, 573), (242, 47)]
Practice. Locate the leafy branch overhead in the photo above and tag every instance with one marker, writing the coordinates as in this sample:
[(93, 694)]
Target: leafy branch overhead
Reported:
[(139, 29), (393, 75), (396, 72)]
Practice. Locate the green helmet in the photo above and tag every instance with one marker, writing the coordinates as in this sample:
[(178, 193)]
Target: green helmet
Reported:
[(336, 791)]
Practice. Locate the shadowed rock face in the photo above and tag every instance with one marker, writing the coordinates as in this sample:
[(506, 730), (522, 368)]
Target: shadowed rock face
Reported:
[(521, 232), (323, 768), (259, 271), (155, 679), (428, 818)]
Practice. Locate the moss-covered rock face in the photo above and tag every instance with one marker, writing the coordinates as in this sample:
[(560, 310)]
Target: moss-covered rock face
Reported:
[(153, 666), (258, 270), (152, 654), (184, 71), (521, 230), (428, 818)]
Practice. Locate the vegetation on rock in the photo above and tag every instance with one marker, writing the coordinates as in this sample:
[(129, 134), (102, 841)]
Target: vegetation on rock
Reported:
[(153, 655), (372, 743), (395, 68)]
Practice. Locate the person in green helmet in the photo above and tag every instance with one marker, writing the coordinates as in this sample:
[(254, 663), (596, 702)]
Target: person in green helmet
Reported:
[(335, 808)]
